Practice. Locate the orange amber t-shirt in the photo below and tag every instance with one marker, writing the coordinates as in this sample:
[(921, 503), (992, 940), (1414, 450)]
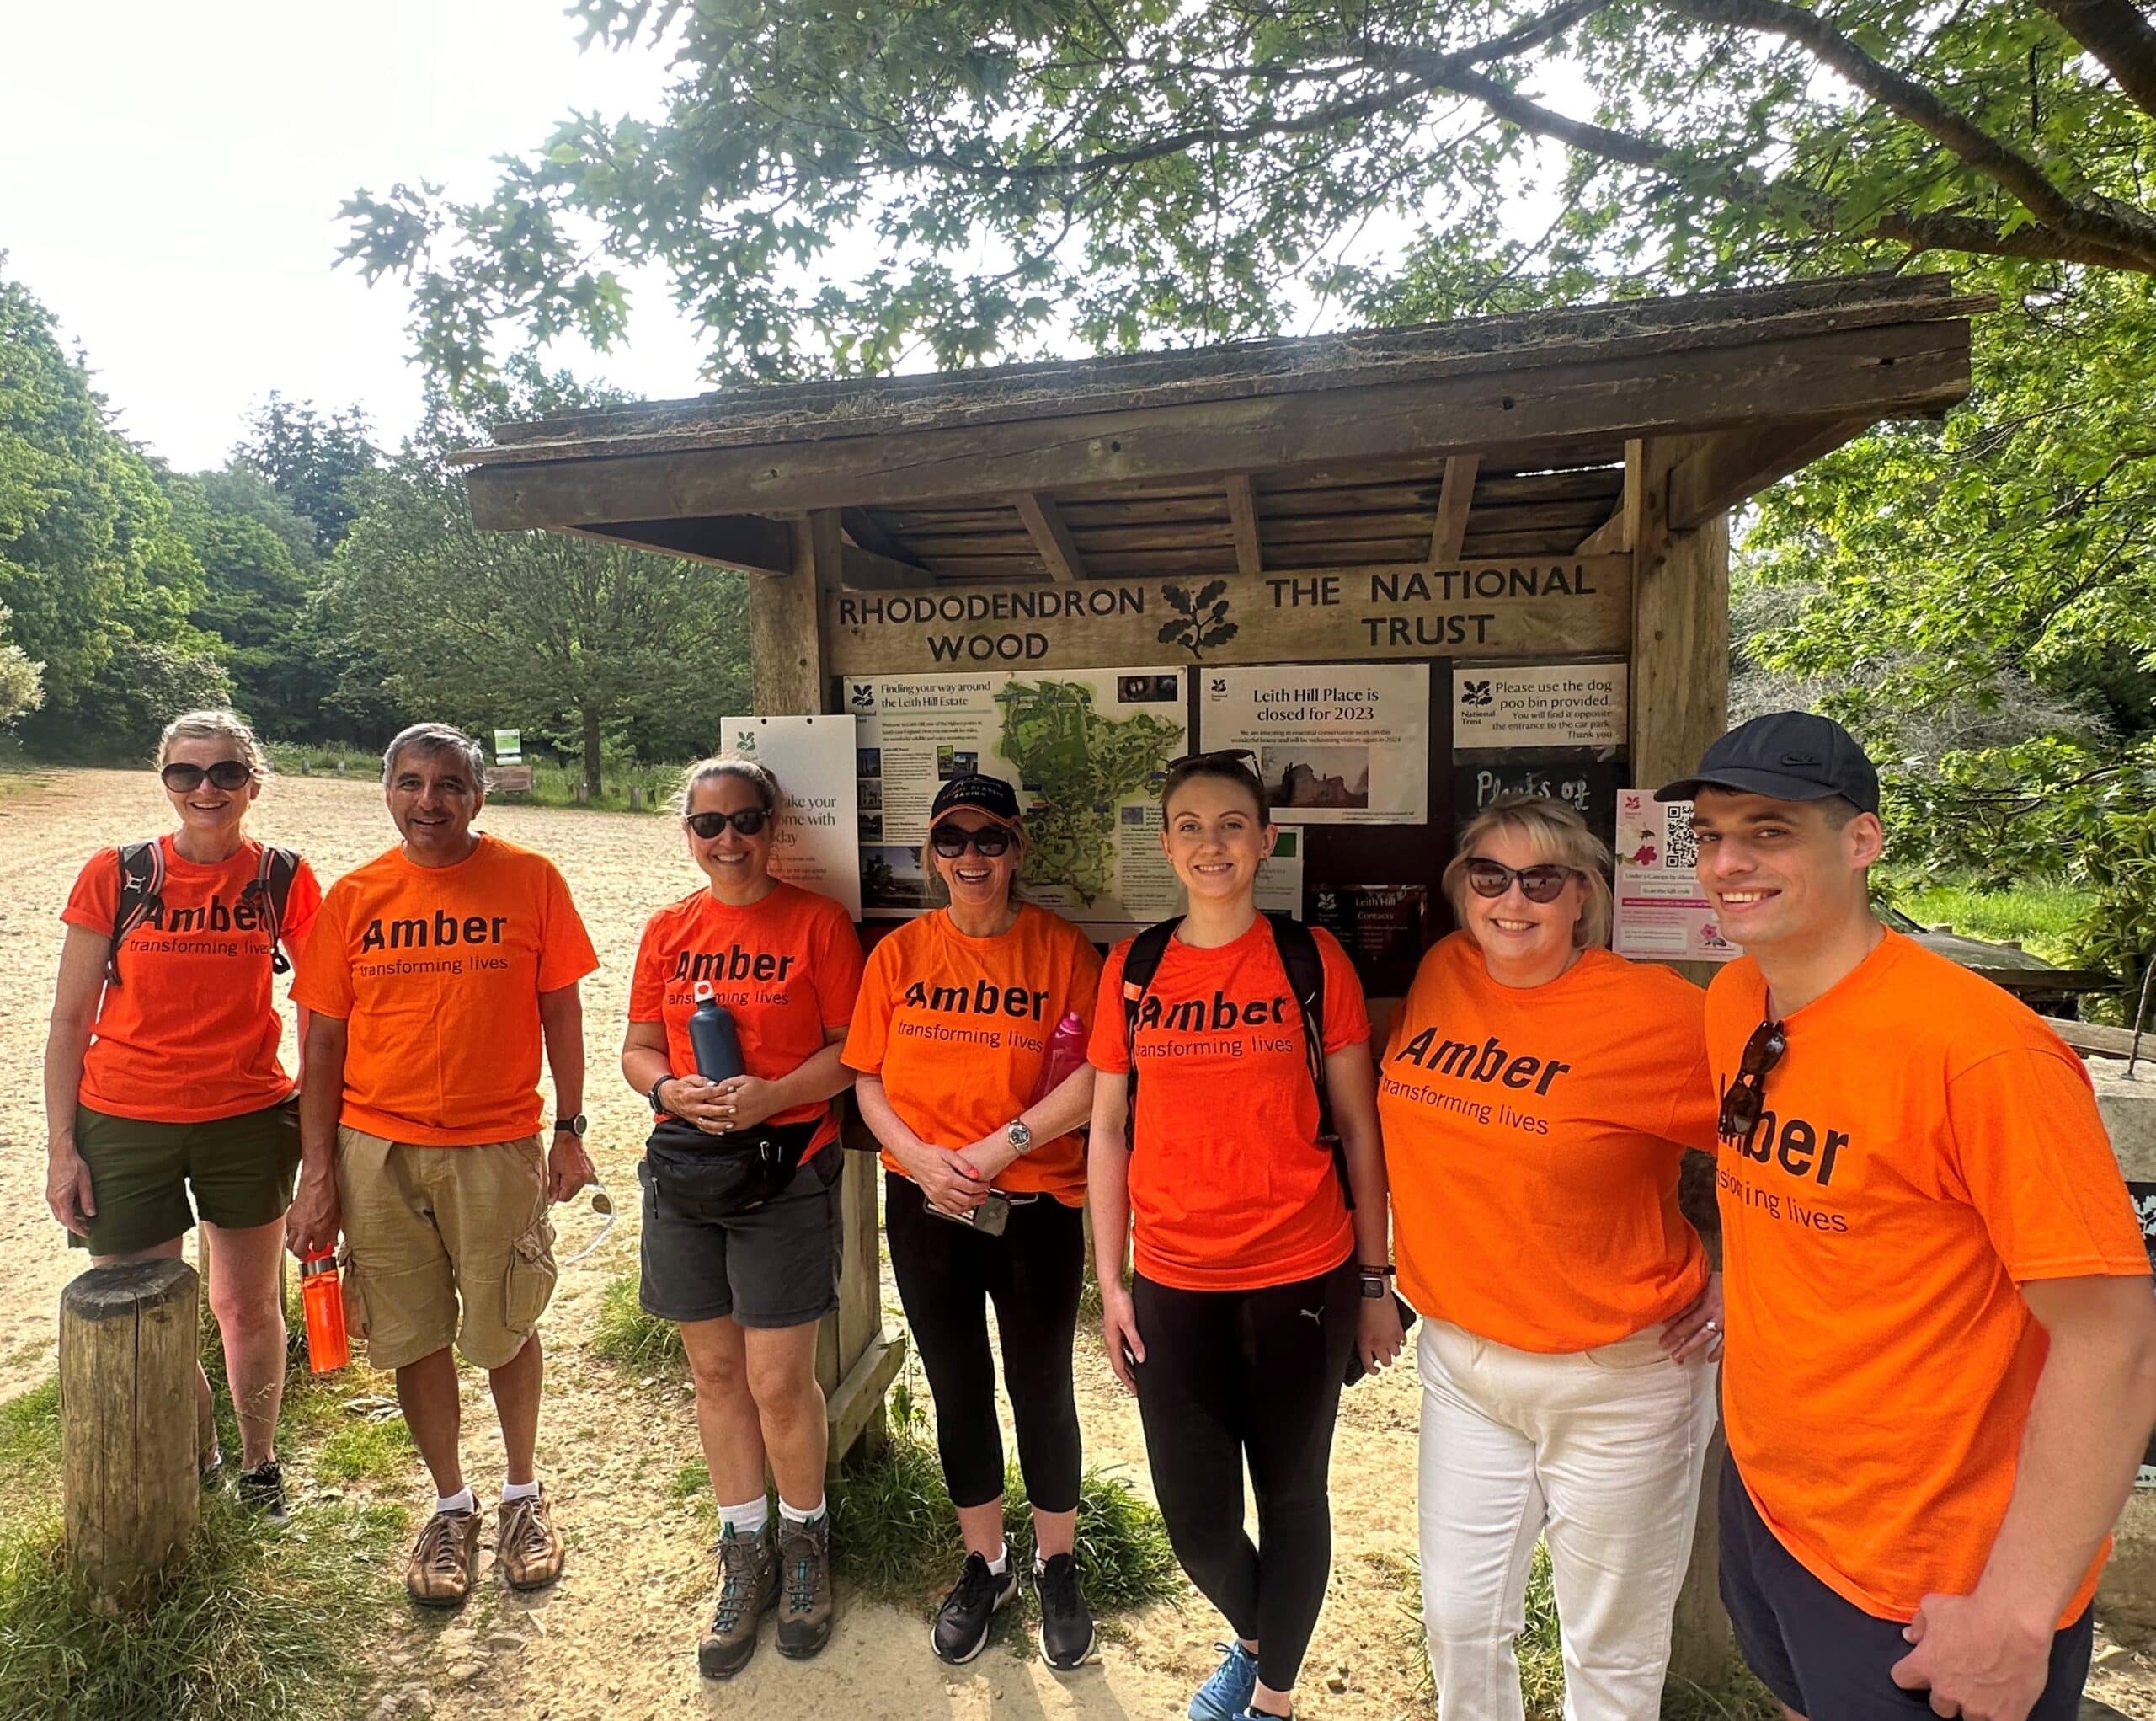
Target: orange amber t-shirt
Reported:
[(786, 968), (1533, 1137), (437, 972), (1231, 1188), (190, 1034), (956, 1029), (1927, 1143)]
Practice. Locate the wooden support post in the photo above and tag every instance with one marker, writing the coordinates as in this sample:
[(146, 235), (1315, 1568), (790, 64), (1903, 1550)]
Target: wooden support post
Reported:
[(1242, 520), (1051, 537), (129, 1484), (786, 654), (1455, 497)]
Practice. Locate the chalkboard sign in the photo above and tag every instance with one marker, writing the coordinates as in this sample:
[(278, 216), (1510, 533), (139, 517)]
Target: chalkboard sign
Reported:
[(1588, 786), (1383, 928)]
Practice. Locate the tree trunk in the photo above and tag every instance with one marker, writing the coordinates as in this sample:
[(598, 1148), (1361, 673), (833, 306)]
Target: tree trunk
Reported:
[(591, 751)]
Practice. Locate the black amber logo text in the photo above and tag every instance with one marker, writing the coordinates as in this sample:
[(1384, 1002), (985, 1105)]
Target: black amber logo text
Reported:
[(732, 963), (1488, 1062), (1798, 1145), (444, 931), (982, 998), (213, 916), (1198, 1016)]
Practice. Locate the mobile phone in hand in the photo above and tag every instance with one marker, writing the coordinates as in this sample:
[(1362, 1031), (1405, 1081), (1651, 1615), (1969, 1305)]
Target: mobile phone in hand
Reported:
[(989, 1219)]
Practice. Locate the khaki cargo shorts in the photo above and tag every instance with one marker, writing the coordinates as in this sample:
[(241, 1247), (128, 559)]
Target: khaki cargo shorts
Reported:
[(443, 1245)]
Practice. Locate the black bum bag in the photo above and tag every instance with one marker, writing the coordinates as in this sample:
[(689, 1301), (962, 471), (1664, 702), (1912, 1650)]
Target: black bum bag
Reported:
[(717, 1176)]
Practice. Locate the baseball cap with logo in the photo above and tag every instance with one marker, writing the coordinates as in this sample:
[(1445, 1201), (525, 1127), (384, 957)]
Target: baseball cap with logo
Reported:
[(991, 797), (1786, 755)]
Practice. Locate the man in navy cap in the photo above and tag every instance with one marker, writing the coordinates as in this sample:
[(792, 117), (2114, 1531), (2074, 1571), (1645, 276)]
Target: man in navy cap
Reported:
[(1940, 1371)]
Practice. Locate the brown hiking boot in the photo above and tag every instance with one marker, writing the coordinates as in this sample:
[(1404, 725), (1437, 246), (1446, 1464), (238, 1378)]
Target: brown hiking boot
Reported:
[(445, 1560), (804, 1582), (748, 1590), (529, 1549)]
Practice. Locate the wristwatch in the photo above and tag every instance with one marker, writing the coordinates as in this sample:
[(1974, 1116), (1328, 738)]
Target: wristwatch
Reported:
[(657, 1104), (1019, 1136), (1374, 1282), (573, 1126)]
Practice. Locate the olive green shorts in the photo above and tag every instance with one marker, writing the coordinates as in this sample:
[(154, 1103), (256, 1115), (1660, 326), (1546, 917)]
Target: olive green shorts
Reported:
[(240, 1171)]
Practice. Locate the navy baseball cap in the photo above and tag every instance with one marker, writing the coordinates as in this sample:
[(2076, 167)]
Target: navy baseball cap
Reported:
[(991, 797), (1786, 755)]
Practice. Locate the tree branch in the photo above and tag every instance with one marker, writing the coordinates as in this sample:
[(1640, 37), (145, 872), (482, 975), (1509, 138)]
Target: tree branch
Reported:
[(1983, 238), (2116, 34)]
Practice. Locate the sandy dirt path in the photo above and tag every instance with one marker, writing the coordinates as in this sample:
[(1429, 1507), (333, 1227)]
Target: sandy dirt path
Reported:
[(616, 1638)]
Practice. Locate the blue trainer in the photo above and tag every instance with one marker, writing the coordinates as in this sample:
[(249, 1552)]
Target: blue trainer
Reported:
[(1227, 1694)]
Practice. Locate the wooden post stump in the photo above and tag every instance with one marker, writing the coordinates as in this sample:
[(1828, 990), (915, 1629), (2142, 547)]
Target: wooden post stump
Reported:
[(127, 1428), (635, 797)]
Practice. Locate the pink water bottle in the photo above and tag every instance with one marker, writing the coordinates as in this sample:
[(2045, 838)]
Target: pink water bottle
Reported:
[(1066, 1051)]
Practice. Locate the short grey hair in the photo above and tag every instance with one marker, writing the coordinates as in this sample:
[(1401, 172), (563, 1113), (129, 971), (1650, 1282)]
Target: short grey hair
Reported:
[(435, 738), (1557, 833)]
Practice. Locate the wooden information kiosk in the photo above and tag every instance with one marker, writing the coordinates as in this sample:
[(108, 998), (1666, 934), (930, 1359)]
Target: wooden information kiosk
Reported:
[(1550, 489)]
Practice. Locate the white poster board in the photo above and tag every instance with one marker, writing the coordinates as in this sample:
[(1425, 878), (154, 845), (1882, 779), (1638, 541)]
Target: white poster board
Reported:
[(1339, 744), (508, 746), (1539, 705), (1086, 750), (818, 845), (1660, 909)]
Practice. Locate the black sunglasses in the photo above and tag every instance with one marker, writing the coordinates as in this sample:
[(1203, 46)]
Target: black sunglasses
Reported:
[(1745, 1099), (952, 841), (1242, 759), (226, 774), (748, 821), (1541, 883)]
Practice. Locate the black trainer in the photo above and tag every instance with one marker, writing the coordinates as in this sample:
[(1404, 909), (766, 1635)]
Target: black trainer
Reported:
[(1066, 1623), (962, 1622), (262, 1490)]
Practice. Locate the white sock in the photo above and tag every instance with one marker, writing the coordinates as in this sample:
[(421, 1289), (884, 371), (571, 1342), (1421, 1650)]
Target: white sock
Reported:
[(461, 1501), (520, 1490), (1001, 1563), (794, 1515), (746, 1519)]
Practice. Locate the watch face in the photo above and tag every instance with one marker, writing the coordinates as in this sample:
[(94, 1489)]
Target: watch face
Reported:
[(1020, 1136)]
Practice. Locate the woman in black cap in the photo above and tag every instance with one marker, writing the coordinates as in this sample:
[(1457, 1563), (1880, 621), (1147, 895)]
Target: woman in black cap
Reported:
[(968, 1040)]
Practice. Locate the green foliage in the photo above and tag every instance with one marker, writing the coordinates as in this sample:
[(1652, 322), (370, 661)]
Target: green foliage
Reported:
[(2043, 918), (534, 630), (313, 460), (364, 1450), (21, 677), (98, 582), (625, 1334), (1134, 171)]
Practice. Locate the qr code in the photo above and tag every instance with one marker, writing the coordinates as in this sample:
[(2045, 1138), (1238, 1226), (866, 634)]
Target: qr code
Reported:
[(1680, 848)]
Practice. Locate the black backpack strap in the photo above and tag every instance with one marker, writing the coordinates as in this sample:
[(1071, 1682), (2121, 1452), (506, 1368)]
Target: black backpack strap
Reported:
[(141, 895), (1304, 963), (1140, 963), (271, 891)]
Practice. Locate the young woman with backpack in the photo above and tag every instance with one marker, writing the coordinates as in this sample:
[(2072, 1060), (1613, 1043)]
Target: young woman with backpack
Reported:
[(162, 1074), (1258, 1284)]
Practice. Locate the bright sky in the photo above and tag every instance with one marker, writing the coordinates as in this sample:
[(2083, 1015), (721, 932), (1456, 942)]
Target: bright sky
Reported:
[(173, 173)]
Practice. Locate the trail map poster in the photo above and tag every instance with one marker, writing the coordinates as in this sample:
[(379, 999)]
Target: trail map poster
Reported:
[(813, 759), (1339, 744), (1086, 750)]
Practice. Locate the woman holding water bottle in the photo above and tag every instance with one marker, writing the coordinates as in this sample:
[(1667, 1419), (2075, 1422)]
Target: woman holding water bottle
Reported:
[(742, 993), (970, 1046)]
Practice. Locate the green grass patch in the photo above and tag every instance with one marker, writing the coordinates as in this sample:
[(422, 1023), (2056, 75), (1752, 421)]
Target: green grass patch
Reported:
[(2041, 918), (253, 1623), (624, 1334), (364, 1450), (30, 1451), (896, 1534), (556, 786)]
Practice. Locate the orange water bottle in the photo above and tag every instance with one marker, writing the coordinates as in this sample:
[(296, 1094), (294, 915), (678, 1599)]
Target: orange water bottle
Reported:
[(322, 1301)]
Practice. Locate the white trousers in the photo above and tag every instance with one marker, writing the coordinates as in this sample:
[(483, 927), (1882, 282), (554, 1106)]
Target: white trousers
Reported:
[(1598, 1452)]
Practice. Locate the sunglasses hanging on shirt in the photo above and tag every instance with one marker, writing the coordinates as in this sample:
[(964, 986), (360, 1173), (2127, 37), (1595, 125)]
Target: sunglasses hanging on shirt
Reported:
[(951, 841), (1746, 1098), (749, 821), (226, 774)]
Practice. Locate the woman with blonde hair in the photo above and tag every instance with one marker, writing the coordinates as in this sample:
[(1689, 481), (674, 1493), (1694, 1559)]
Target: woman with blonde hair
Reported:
[(741, 1192), (1538, 1094), (162, 1078)]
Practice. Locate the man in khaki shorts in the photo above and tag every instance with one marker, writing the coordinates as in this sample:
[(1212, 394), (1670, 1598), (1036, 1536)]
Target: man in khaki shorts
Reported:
[(434, 974)]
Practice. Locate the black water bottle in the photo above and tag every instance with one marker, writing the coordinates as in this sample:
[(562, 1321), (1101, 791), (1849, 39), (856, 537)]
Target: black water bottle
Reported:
[(711, 1036)]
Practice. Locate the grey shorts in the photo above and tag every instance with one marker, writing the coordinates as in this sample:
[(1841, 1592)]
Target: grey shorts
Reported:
[(775, 1265)]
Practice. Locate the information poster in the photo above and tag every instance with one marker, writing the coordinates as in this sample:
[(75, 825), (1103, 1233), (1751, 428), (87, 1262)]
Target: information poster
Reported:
[(1340, 744), (813, 757), (1661, 912), (1381, 927), (508, 746), (1087, 751), (1539, 705)]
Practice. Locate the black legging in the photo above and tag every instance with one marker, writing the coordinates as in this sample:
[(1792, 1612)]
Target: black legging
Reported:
[(1231, 1375), (948, 1274)]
